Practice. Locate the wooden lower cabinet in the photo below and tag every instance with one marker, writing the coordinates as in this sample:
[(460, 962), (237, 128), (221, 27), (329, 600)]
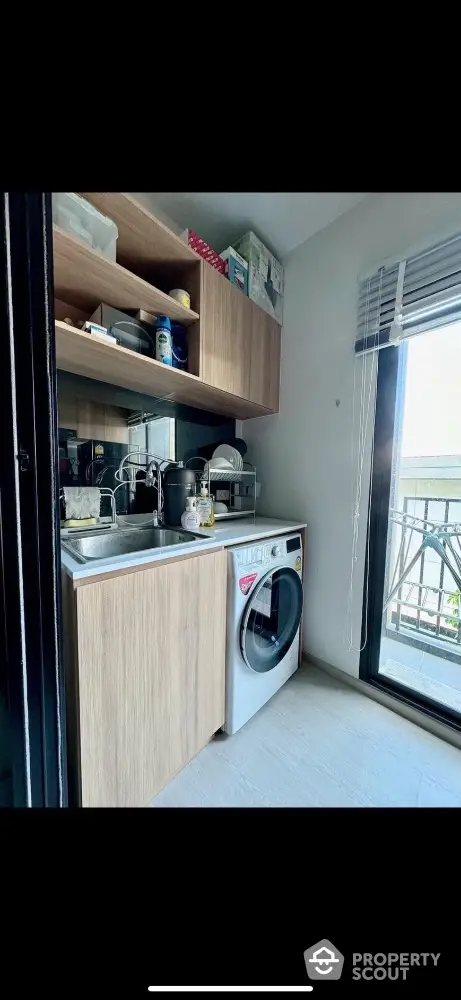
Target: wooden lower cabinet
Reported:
[(149, 662)]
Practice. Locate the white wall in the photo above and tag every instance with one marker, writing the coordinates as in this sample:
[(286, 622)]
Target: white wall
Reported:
[(303, 453), (148, 200)]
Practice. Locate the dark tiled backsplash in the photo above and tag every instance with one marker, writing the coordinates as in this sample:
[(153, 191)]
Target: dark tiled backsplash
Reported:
[(94, 462)]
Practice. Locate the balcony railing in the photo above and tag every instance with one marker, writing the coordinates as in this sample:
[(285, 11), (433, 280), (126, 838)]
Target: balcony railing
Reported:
[(427, 600)]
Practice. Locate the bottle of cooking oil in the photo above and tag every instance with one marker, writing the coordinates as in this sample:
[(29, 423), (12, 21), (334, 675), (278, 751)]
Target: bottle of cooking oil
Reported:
[(205, 508)]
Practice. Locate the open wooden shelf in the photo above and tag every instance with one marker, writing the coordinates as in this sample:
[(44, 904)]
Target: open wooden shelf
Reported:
[(85, 278), (229, 347), (84, 354), (142, 239)]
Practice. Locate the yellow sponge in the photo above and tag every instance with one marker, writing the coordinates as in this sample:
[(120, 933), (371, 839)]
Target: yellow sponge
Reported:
[(82, 523)]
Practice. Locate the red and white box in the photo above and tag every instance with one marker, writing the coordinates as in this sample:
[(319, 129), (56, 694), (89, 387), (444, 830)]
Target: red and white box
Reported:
[(204, 250)]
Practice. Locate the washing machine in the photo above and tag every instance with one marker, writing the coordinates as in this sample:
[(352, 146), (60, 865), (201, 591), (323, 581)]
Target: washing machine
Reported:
[(265, 600)]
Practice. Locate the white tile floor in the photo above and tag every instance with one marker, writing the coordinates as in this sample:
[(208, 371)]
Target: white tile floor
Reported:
[(319, 742)]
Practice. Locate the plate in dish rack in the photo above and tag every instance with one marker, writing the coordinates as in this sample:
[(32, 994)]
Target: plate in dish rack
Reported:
[(231, 454), (222, 475)]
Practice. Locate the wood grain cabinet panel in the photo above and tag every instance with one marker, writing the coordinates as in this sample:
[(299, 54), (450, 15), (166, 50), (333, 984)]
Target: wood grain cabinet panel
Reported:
[(223, 348), (151, 667), (264, 355), (239, 343)]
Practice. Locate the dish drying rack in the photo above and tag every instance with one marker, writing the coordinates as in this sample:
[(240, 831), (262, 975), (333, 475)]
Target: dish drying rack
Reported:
[(241, 487), (108, 522)]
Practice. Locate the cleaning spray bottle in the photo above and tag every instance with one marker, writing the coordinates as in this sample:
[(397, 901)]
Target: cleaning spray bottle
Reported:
[(163, 342), (205, 508)]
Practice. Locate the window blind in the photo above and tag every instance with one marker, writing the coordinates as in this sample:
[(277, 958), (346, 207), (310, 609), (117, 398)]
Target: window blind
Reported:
[(410, 296)]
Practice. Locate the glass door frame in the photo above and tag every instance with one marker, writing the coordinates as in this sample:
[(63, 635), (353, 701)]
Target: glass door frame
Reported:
[(390, 382), (32, 683)]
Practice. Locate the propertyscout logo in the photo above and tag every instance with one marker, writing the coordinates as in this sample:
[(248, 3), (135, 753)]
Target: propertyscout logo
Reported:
[(324, 962)]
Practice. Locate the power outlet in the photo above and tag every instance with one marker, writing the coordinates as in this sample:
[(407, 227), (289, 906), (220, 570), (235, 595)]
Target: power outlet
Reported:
[(222, 496)]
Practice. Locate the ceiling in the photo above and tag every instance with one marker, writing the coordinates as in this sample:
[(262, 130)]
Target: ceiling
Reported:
[(281, 220)]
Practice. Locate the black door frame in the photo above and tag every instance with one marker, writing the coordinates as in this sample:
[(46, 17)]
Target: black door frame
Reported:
[(30, 617), (379, 497)]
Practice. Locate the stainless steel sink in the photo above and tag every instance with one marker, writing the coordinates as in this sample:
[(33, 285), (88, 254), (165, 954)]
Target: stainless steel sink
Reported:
[(101, 545)]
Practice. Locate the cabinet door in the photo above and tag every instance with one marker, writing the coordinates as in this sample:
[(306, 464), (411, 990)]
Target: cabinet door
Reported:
[(239, 342), (223, 335), (151, 658), (264, 355)]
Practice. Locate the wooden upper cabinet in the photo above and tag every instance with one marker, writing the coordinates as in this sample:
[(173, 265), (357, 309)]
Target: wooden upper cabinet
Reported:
[(233, 345), (239, 342), (223, 341), (265, 344)]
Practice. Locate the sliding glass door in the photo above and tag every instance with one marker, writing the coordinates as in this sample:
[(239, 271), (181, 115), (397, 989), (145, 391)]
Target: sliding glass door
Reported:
[(412, 619)]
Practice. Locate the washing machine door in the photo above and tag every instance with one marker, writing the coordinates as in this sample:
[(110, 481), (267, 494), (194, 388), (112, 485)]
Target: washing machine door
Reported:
[(271, 619)]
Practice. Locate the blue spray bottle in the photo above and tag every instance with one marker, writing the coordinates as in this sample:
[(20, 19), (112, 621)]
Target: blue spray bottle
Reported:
[(163, 341)]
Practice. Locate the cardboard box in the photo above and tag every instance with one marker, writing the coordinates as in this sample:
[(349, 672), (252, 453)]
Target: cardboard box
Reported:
[(236, 269), (203, 249), (99, 331), (265, 275)]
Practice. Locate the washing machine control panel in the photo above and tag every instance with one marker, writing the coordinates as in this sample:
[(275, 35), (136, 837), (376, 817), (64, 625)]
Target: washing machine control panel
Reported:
[(261, 555)]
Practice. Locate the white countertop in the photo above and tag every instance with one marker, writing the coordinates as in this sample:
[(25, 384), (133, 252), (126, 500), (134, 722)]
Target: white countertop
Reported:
[(224, 533), (248, 529)]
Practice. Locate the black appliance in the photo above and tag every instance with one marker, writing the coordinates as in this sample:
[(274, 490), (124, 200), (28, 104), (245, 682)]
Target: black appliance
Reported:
[(146, 497), (178, 484), (98, 461)]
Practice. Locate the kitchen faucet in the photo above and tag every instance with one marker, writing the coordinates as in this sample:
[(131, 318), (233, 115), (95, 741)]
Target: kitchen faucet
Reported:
[(156, 463), (150, 479)]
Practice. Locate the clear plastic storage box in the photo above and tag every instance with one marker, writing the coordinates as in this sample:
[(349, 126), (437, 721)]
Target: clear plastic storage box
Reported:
[(77, 217)]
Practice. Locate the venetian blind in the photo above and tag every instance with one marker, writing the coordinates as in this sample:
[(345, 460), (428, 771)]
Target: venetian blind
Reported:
[(410, 296)]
